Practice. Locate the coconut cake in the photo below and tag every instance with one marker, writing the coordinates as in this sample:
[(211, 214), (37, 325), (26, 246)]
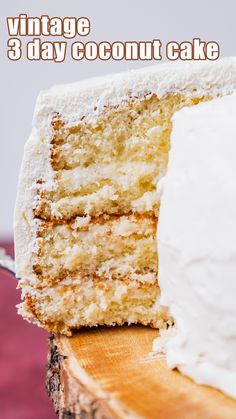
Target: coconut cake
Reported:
[(87, 204)]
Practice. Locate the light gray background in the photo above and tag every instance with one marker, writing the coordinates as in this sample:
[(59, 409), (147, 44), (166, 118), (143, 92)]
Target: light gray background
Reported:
[(110, 20)]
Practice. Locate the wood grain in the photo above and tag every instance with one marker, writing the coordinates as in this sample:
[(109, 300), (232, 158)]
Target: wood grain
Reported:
[(111, 373)]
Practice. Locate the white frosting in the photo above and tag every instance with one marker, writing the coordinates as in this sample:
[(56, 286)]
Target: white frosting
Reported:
[(87, 98), (80, 99), (197, 243)]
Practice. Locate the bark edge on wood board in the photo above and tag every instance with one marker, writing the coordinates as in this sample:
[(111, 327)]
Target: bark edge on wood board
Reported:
[(70, 397)]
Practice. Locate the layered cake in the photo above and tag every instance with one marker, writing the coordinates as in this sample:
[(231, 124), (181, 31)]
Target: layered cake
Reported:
[(87, 205), (196, 244)]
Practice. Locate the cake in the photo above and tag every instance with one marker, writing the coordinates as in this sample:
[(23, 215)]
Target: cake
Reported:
[(87, 204), (196, 244)]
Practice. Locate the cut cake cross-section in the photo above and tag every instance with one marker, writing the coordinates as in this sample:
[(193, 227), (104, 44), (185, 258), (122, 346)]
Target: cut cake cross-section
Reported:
[(87, 205)]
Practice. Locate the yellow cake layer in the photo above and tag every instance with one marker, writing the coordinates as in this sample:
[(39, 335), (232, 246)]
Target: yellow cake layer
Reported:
[(111, 166), (129, 132), (105, 248), (72, 304)]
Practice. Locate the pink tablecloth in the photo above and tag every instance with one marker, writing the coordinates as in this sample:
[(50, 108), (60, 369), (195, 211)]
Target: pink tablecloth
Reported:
[(23, 349)]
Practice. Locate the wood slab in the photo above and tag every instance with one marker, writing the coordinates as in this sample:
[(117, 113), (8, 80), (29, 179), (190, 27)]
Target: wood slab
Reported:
[(112, 373)]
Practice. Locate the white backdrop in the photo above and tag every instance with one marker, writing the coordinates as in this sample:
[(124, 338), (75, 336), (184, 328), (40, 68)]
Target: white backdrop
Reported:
[(111, 21)]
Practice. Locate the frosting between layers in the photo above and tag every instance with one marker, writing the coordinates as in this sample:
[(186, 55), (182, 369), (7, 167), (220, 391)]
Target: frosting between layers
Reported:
[(197, 243)]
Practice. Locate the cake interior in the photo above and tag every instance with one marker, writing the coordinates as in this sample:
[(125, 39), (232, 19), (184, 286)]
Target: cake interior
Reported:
[(95, 260)]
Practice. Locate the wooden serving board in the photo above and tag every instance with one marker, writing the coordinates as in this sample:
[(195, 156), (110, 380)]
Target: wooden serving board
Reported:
[(111, 373)]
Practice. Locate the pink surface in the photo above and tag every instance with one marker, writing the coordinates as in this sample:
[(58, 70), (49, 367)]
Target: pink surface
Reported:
[(23, 352)]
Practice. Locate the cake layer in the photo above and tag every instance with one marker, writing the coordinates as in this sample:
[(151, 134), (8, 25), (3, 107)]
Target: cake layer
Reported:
[(106, 248), (131, 131), (72, 304), (111, 166)]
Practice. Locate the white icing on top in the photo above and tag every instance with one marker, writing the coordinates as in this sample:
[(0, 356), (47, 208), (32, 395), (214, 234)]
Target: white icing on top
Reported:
[(87, 98), (197, 243)]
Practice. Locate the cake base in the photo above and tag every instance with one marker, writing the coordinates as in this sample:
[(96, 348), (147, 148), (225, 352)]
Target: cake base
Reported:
[(112, 373)]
